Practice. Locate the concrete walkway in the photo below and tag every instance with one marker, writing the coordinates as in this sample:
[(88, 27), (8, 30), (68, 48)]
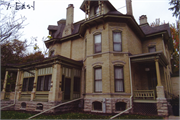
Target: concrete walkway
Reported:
[(172, 118)]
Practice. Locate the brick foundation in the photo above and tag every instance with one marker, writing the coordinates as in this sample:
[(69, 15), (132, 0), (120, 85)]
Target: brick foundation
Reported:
[(162, 107)]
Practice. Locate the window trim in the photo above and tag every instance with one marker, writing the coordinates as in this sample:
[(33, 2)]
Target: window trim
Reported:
[(151, 47), (43, 82), (95, 44), (27, 87), (122, 67), (95, 68), (117, 31)]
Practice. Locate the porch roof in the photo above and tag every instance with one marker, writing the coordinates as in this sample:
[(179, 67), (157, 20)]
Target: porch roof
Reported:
[(150, 57), (46, 62)]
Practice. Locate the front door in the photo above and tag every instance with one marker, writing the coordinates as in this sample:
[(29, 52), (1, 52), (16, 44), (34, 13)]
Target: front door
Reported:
[(67, 89)]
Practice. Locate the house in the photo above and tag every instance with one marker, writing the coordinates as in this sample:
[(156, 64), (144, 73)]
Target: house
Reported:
[(107, 59)]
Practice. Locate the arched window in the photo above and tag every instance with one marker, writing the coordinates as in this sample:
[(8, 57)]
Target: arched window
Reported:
[(39, 106), (97, 106), (120, 106), (23, 105)]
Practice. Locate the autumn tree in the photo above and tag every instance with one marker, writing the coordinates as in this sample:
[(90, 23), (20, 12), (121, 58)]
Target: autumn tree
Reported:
[(10, 23)]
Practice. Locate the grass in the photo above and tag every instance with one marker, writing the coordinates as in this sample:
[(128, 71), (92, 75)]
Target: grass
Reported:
[(70, 115)]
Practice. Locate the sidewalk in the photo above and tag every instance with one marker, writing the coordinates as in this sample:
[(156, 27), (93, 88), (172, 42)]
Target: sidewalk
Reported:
[(172, 118)]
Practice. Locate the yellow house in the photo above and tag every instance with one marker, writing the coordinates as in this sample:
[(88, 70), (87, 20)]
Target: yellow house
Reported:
[(107, 59)]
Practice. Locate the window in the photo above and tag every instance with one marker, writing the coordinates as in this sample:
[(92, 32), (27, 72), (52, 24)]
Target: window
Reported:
[(152, 49), (96, 11), (51, 53), (23, 105), (98, 79), (28, 84), (97, 43), (76, 84), (97, 106), (120, 106), (119, 79), (39, 106), (44, 83), (117, 42)]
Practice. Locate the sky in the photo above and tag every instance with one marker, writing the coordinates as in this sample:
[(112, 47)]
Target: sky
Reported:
[(48, 12)]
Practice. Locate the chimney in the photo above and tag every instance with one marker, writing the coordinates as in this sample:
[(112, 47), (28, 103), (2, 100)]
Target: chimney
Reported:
[(129, 7), (69, 20), (143, 19)]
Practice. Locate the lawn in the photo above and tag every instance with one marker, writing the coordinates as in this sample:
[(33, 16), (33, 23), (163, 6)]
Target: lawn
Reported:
[(71, 115)]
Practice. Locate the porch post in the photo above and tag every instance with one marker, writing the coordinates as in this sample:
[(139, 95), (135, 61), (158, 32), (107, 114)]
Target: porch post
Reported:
[(158, 73), (34, 85), (56, 94), (19, 84), (4, 86), (162, 108)]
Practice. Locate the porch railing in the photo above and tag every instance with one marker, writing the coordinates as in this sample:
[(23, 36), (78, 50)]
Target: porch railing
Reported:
[(144, 94)]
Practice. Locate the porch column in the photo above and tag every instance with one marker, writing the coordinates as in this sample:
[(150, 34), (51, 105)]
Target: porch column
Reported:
[(34, 85), (4, 86), (162, 105), (20, 84), (56, 94), (158, 73)]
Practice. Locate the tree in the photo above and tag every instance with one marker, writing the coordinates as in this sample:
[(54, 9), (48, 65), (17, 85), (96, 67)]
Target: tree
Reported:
[(10, 25), (175, 7)]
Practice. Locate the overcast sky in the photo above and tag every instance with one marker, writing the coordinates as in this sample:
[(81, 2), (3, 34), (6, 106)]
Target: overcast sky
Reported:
[(48, 12)]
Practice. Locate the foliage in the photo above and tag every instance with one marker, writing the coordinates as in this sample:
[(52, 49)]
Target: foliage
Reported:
[(10, 24), (70, 115), (175, 8), (175, 38)]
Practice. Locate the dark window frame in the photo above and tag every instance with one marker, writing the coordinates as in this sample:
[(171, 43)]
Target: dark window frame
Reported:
[(97, 44), (46, 83), (96, 68), (120, 43), (29, 84), (97, 106), (115, 79), (152, 47)]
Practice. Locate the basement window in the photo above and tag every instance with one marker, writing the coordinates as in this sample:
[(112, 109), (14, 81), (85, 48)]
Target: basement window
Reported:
[(120, 106), (23, 105), (97, 106), (39, 106)]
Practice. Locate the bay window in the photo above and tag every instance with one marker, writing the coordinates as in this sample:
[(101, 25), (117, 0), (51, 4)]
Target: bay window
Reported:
[(117, 42), (97, 43), (119, 79), (98, 79)]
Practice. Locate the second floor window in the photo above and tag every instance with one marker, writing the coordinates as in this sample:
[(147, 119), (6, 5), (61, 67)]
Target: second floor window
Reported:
[(97, 43), (117, 42), (96, 11)]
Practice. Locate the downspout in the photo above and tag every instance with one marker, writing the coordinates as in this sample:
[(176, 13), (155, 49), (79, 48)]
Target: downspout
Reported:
[(15, 93), (130, 96)]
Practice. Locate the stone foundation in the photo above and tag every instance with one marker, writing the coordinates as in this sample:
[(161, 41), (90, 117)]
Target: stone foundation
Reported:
[(108, 104), (162, 107), (32, 106)]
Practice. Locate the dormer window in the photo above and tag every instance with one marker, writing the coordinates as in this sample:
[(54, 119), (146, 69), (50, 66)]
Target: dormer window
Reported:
[(152, 49), (51, 53), (96, 11)]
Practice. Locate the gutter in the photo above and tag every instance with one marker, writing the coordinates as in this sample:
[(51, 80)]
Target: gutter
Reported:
[(54, 107), (15, 93), (130, 96)]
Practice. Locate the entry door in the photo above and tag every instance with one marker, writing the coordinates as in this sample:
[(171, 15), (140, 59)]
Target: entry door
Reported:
[(152, 80), (67, 89)]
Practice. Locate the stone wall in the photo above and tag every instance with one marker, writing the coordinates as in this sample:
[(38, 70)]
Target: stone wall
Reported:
[(6, 103), (110, 104)]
